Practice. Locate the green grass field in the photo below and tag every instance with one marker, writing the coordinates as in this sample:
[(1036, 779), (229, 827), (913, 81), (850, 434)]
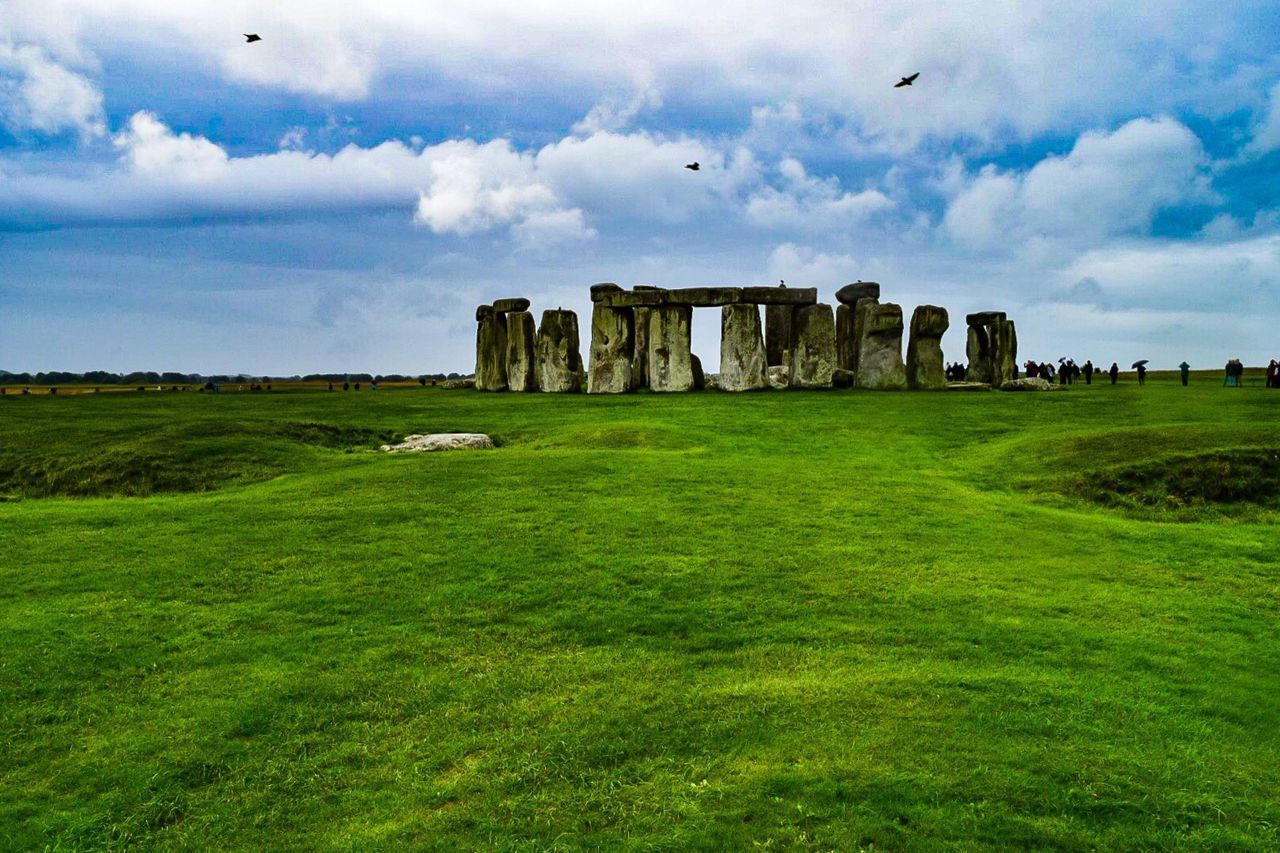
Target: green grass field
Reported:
[(816, 620)]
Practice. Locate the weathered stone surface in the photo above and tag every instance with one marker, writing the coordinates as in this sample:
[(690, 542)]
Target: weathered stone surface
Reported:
[(711, 382), (851, 293), (860, 314), (491, 353), (813, 357), (978, 351), (846, 338), (777, 332), (924, 348), (441, 441), (705, 297), (603, 289), (880, 366), (742, 361), (699, 377), (670, 360), (557, 353), (458, 384), (1030, 383), (841, 378), (640, 348), (612, 345), (968, 386), (779, 375), (1004, 351), (483, 311), (522, 374), (518, 303), (983, 318)]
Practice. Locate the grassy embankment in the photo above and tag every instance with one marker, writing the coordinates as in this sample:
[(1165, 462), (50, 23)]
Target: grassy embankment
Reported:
[(825, 619)]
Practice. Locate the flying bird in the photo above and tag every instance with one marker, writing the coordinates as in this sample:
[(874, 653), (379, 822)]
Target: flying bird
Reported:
[(693, 166), (906, 81), (250, 38)]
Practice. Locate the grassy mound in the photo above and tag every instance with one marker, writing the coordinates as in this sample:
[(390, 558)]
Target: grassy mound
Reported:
[(193, 456), (1245, 476)]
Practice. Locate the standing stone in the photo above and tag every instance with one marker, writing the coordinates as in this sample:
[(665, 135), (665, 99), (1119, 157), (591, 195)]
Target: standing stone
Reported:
[(557, 353), (846, 338), (777, 331), (978, 350), (670, 358), (860, 312), (742, 355), (521, 372), (640, 360), (1004, 351), (880, 365), (813, 357), (924, 348), (612, 345), (491, 351), (699, 377)]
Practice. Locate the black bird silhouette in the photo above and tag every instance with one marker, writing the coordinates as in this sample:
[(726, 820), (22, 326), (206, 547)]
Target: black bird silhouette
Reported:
[(250, 38), (906, 81), (694, 166)]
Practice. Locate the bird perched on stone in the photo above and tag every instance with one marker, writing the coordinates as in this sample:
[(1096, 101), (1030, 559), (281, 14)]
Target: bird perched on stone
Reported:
[(250, 38), (693, 166), (906, 81)]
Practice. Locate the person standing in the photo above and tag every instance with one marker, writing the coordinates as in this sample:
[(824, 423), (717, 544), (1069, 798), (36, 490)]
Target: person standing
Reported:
[(1185, 370), (1142, 374), (1114, 372), (1088, 372)]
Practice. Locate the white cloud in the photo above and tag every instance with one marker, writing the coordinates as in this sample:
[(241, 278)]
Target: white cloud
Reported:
[(987, 70), (37, 94), (803, 266), (1266, 135), (812, 204), (1109, 184)]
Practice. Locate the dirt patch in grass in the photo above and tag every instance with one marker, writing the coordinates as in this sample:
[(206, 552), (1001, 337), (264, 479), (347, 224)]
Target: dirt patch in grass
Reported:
[(1221, 480)]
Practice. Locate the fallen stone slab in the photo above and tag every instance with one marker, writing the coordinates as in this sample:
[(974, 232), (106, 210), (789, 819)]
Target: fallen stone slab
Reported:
[(704, 297), (1031, 383), (502, 306), (458, 384), (851, 293), (984, 318), (441, 441), (968, 386)]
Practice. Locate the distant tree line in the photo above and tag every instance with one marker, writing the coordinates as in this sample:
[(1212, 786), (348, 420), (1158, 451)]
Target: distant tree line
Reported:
[(150, 377)]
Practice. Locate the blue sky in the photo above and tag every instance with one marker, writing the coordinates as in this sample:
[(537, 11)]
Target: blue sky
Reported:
[(342, 194)]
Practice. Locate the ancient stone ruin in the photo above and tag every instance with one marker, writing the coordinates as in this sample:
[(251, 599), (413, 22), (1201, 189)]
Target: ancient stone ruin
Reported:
[(641, 338), (992, 347)]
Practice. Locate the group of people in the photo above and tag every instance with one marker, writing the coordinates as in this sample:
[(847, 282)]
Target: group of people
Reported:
[(956, 372), (1273, 374), (1067, 371), (1235, 374)]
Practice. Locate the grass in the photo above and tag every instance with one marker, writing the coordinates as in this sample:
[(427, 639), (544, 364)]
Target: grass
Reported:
[(820, 620)]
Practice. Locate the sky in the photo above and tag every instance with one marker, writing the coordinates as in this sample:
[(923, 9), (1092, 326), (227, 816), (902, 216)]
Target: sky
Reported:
[(341, 195)]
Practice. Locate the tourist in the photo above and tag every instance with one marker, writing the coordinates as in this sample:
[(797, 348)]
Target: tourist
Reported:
[(1142, 374), (346, 386), (1273, 374), (1185, 370), (1088, 372), (1114, 372)]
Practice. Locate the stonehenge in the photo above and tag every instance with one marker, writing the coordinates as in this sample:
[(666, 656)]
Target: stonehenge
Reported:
[(641, 338), (521, 372), (557, 353), (742, 349), (880, 364), (813, 354), (924, 348), (991, 347)]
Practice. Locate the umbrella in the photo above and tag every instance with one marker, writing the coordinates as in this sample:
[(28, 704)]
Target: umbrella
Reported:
[(1140, 363)]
